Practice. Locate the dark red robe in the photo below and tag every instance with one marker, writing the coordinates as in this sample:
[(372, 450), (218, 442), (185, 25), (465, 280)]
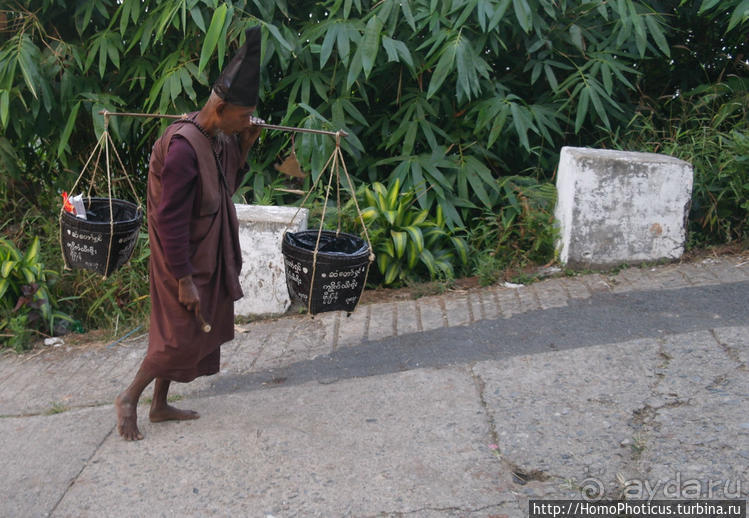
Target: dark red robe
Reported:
[(192, 229)]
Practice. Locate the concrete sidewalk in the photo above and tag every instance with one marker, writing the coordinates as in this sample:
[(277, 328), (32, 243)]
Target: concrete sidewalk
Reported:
[(463, 404)]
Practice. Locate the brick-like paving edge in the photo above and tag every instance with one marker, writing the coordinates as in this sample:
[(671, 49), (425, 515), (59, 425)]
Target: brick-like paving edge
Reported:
[(53, 379)]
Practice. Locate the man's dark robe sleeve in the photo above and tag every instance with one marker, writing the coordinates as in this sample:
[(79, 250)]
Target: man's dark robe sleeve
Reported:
[(179, 189)]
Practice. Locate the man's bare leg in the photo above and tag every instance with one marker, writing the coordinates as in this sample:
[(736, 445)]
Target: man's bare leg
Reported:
[(127, 406), (163, 411)]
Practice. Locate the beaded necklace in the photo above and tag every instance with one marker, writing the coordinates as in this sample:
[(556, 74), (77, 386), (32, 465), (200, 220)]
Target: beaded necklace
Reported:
[(201, 129), (215, 155)]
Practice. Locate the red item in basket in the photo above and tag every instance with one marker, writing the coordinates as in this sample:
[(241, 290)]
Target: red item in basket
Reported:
[(66, 205)]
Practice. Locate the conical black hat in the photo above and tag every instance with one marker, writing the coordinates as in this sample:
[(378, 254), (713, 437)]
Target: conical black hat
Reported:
[(239, 82)]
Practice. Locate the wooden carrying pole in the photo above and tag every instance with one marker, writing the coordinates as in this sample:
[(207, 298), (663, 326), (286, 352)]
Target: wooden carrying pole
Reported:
[(260, 124)]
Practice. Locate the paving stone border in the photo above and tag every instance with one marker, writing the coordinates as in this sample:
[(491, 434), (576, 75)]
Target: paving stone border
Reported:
[(45, 380)]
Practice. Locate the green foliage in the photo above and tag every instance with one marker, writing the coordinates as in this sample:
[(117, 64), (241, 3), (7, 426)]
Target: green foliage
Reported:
[(119, 301), (17, 332), (739, 10), (426, 89), (56, 407), (444, 96), (407, 240), (709, 128), (259, 189), (87, 301), (477, 86), (25, 299), (520, 233)]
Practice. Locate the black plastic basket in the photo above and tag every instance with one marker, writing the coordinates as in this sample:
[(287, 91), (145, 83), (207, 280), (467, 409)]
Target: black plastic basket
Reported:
[(340, 270), (85, 243)]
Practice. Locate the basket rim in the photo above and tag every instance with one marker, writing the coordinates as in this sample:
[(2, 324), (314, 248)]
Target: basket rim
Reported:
[(362, 254), (69, 217), (325, 231)]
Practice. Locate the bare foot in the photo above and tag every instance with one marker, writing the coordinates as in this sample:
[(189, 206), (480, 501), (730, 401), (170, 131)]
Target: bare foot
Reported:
[(170, 413), (127, 418)]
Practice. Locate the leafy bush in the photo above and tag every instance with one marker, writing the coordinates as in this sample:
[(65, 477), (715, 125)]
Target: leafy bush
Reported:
[(26, 302), (708, 127), (445, 96), (405, 237), (119, 301), (519, 233), (409, 243)]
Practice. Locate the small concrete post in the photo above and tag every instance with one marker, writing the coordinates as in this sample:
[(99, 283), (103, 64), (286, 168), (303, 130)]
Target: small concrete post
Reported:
[(263, 278), (616, 207)]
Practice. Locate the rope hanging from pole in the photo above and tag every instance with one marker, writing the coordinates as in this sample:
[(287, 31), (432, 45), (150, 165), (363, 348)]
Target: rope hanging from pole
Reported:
[(93, 231), (333, 167), (336, 159)]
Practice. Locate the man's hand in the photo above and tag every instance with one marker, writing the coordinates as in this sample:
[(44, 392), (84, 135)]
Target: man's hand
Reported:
[(188, 293), (250, 134)]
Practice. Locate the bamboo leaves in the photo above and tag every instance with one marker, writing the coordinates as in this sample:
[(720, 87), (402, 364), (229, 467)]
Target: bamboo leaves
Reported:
[(26, 56), (4, 104), (327, 45), (443, 95), (339, 35), (278, 37), (108, 46), (215, 30), (576, 36), (739, 15), (490, 13), (523, 14), (433, 62), (497, 113), (474, 173), (69, 124), (458, 55), (408, 14), (175, 78), (397, 51), (417, 118), (637, 21), (370, 44), (471, 67), (9, 160), (656, 32), (444, 66)]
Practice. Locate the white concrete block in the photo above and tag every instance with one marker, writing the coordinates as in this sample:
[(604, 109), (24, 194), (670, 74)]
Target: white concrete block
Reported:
[(616, 207), (263, 278)]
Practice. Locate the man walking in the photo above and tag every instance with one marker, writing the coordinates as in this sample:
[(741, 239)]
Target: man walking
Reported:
[(195, 168)]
